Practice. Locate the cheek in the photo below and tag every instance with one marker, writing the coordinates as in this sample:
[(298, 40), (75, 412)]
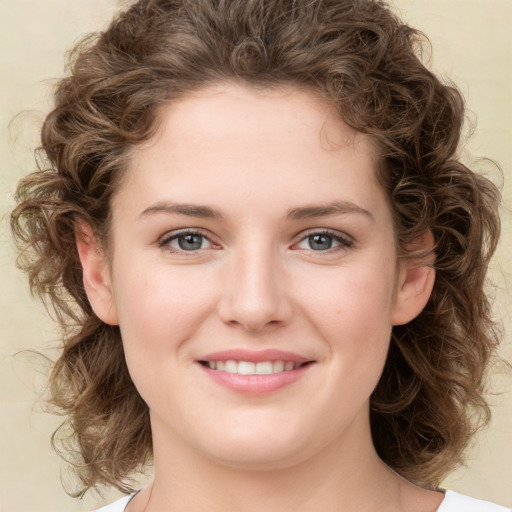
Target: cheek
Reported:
[(354, 316), (159, 307), (357, 299), (158, 313)]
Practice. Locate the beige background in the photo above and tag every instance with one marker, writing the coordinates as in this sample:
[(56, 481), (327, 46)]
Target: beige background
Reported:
[(472, 44)]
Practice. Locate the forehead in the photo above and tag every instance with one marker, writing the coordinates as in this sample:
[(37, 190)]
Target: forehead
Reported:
[(285, 142), (240, 110)]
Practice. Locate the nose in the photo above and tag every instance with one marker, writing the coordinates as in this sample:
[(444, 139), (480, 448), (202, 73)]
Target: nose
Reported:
[(254, 294)]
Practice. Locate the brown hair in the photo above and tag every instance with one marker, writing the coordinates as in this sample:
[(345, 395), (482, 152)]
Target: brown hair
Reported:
[(364, 60)]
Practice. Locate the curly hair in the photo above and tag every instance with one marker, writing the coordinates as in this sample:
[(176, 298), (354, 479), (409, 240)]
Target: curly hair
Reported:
[(366, 62)]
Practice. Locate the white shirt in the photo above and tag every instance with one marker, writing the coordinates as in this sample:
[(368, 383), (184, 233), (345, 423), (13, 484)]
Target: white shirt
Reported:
[(453, 502)]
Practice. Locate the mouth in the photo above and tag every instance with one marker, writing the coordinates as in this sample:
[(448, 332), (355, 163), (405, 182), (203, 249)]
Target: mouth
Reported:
[(233, 366), (249, 372), (255, 372)]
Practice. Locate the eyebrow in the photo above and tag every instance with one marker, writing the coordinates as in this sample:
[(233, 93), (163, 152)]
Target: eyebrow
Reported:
[(191, 210), (322, 210), (302, 212)]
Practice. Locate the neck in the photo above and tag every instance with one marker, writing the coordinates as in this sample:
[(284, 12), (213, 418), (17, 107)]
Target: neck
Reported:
[(345, 476)]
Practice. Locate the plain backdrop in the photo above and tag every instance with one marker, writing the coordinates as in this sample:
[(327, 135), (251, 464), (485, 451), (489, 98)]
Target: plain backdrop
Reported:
[(471, 45)]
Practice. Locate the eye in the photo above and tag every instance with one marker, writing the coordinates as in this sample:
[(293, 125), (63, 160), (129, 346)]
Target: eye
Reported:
[(324, 241), (188, 241)]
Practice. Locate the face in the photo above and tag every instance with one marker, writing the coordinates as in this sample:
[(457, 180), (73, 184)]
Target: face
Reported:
[(253, 275)]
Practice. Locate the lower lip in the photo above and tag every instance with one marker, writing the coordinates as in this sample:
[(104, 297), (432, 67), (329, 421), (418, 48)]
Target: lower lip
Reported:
[(256, 384)]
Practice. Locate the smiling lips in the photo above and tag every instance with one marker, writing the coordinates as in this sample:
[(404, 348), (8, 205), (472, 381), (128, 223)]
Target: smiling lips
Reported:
[(255, 373)]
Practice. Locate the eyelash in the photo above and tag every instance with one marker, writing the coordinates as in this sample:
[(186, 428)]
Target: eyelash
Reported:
[(344, 241), (176, 235)]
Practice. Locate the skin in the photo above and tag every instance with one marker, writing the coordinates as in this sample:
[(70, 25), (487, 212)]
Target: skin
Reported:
[(257, 159)]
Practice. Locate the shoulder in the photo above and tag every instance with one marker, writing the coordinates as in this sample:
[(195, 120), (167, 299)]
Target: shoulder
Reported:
[(117, 506), (455, 502)]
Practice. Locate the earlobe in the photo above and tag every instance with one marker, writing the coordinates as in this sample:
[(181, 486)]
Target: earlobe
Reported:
[(96, 274), (415, 283)]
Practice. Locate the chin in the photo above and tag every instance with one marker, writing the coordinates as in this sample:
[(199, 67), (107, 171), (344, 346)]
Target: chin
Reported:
[(258, 459), (260, 449)]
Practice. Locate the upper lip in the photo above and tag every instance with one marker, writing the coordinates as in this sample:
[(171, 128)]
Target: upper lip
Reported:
[(255, 356)]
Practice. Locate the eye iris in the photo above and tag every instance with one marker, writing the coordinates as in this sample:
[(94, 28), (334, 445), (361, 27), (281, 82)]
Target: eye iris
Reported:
[(190, 242), (320, 242)]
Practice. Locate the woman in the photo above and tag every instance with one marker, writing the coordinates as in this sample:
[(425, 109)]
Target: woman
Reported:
[(267, 260)]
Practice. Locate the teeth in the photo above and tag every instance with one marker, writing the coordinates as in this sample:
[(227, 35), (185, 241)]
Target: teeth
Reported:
[(278, 366), (250, 368), (231, 367), (264, 368), (245, 368)]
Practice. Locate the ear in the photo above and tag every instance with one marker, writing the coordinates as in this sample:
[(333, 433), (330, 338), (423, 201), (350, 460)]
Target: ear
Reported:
[(96, 274), (415, 282)]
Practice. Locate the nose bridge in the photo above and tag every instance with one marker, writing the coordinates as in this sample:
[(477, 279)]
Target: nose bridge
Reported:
[(254, 294)]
